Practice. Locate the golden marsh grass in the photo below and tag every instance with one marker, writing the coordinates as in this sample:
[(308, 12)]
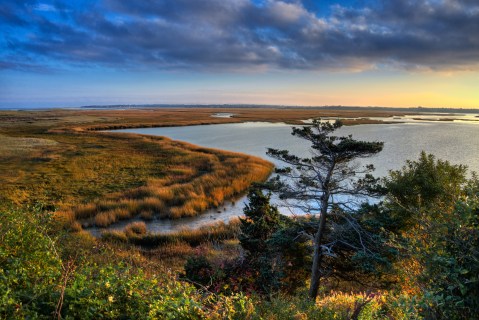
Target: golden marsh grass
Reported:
[(137, 234)]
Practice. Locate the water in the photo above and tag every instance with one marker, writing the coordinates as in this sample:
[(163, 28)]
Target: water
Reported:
[(222, 115), (457, 142)]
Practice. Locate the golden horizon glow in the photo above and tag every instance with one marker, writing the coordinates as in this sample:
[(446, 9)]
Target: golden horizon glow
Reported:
[(373, 88)]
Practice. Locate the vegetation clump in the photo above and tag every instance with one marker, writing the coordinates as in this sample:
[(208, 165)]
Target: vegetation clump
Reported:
[(434, 210), (41, 279)]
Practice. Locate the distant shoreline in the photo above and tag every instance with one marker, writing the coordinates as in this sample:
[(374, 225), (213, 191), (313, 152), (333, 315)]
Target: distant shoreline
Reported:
[(244, 106), (256, 106)]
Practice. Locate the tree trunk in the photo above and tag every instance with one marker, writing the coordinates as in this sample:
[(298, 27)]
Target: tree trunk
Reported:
[(318, 254)]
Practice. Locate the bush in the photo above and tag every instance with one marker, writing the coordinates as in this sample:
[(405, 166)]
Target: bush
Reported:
[(114, 292), (261, 221), (36, 283), (199, 270), (30, 267), (437, 211)]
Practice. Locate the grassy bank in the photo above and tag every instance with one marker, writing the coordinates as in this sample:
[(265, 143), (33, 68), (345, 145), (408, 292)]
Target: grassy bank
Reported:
[(106, 177), (99, 178), (193, 180)]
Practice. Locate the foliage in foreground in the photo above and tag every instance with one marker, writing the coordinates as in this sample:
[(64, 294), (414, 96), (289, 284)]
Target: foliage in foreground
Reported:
[(37, 281), (41, 280), (428, 224), (436, 270), (434, 210)]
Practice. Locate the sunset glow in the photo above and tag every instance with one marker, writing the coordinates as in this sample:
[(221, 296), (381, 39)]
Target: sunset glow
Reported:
[(358, 53)]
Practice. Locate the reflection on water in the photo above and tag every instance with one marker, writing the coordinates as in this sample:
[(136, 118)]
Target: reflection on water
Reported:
[(456, 142)]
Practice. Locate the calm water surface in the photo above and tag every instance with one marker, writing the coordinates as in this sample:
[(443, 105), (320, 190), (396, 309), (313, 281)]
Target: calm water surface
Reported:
[(456, 142)]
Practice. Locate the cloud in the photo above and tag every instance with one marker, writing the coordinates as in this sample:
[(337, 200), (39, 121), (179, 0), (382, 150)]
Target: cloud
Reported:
[(45, 7), (231, 35)]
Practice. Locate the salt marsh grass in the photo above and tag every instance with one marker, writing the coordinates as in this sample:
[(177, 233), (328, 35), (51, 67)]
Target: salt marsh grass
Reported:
[(211, 179), (136, 233)]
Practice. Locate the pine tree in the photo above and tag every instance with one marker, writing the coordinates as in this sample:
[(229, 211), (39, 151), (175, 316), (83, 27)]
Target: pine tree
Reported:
[(318, 184), (260, 222)]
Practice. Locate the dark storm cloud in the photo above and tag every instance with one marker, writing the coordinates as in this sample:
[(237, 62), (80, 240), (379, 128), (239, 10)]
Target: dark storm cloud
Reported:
[(243, 34)]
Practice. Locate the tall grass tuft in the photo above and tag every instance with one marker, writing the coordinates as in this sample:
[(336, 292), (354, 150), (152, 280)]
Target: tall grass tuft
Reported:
[(106, 218), (135, 229)]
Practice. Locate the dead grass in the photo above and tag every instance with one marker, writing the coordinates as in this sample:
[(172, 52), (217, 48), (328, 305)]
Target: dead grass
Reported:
[(174, 250), (19, 146), (100, 178)]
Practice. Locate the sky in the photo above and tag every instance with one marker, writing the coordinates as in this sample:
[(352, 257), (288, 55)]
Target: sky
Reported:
[(392, 53)]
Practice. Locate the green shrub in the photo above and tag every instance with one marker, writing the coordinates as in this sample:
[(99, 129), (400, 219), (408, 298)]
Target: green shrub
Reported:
[(35, 283), (114, 292), (199, 270), (30, 267)]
